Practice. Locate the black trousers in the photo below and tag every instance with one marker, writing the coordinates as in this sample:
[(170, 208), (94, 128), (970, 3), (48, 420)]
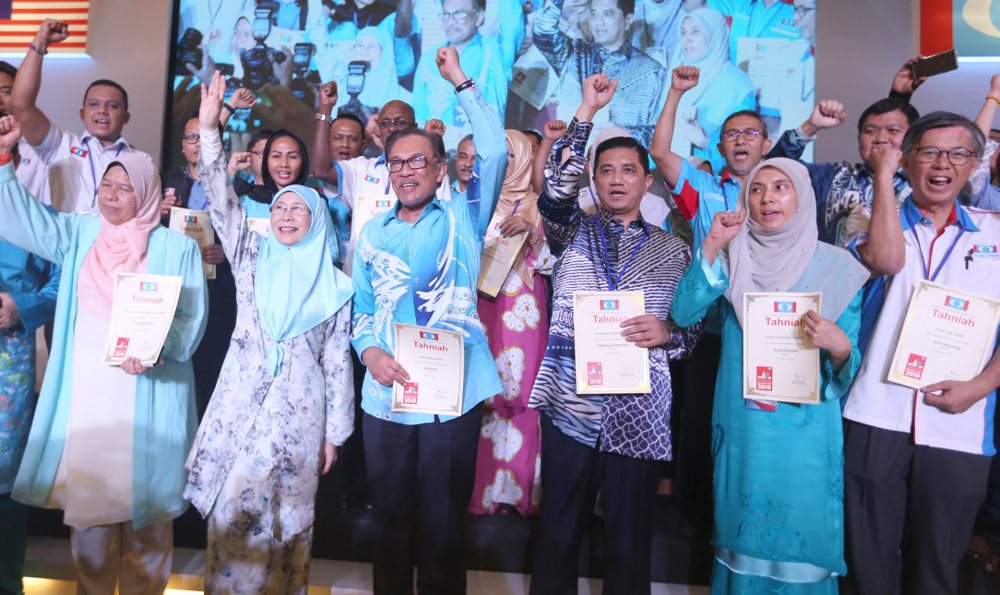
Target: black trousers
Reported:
[(573, 473), (902, 497), (421, 475)]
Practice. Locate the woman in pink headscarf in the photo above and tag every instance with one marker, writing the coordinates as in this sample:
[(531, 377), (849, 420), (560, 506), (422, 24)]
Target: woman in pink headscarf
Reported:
[(517, 324), (108, 443)]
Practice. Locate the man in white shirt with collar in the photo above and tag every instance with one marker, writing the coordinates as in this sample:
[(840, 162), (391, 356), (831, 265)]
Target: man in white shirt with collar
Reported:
[(919, 459), (362, 176), (75, 163)]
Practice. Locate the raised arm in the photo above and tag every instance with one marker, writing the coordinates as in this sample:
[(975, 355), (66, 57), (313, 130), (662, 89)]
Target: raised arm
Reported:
[(240, 99), (986, 115), (322, 159), (549, 39), (26, 223), (884, 251), (903, 83), (487, 135), (227, 215), (404, 19), (551, 132), (28, 81), (682, 79), (35, 308)]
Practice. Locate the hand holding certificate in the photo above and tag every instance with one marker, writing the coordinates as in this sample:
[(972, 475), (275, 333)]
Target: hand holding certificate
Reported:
[(948, 334), (196, 225), (498, 257), (779, 362), (434, 359), (141, 315), (606, 363)]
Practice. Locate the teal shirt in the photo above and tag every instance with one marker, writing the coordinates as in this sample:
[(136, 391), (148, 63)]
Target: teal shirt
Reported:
[(483, 59), (778, 476), (425, 273), (165, 411)]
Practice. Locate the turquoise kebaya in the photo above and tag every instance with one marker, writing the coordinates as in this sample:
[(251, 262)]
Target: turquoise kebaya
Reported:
[(297, 287)]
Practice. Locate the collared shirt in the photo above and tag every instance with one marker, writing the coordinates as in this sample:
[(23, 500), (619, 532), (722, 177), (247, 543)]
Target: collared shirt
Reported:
[(356, 177), (483, 60), (197, 199), (32, 173), (459, 194), (425, 273), (750, 18), (76, 165), (876, 402), (699, 196), (639, 99), (636, 426)]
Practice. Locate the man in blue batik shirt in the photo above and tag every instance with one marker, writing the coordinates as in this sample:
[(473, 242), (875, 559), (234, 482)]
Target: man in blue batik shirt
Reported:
[(418, 264)]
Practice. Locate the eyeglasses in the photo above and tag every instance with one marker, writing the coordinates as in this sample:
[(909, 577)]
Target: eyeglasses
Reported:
[(732, 134), (801, 11), (458, 15), (258, 152), (397, 123), (957, 156), (192, 137), (416, 162), (295, 210)]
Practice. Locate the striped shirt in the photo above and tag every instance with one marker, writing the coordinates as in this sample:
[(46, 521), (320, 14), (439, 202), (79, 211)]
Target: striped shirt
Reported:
[(636, 426)]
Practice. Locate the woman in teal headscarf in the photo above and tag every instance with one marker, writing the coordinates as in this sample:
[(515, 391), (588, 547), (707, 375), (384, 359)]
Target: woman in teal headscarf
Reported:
[(778, 473), (284, 400)]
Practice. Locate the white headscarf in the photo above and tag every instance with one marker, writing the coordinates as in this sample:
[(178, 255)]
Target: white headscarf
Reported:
[(710, 63), (760, 259)]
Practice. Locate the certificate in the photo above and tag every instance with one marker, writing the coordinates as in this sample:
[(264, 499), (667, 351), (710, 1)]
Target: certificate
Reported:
[(141, 314), (196, 225), (498, 257), (605, 362), (366, 208), (435, 360), (948, 334), (779, 362), (259, 225)]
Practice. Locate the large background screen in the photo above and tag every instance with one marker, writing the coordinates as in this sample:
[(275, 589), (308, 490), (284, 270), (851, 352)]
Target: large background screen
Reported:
[(529, 59)]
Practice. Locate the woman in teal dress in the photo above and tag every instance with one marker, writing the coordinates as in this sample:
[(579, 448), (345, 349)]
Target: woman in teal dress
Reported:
[(778, 475)]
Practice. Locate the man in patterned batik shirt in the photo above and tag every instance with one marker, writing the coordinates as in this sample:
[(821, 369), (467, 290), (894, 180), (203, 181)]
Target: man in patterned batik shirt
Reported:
[(611, 443)]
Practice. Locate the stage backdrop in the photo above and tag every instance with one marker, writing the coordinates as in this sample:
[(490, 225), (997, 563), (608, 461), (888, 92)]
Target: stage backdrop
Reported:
[(528, 57), (971, 27)]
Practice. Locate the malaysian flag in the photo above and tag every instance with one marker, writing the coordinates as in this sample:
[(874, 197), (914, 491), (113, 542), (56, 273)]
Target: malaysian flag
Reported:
[(20, 20)]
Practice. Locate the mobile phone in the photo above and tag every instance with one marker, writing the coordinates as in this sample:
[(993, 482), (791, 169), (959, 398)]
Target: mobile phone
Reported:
[(936, 64)]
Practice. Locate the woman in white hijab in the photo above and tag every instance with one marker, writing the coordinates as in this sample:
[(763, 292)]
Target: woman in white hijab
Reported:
[(779, 513), (722, 89)]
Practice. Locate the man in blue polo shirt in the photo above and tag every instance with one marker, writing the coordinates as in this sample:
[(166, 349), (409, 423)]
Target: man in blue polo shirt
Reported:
[(418, 264), (919, 458)]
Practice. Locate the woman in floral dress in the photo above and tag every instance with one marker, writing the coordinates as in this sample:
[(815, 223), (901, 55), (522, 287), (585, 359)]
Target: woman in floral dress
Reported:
[(516, 320), (284, 400)]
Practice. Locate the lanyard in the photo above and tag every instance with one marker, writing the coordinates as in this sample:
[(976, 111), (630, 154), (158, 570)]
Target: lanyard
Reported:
[(613, 283), (93, 170), (923, 262)]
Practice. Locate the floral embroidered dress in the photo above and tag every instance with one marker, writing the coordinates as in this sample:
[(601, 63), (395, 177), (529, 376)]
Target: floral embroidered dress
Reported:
[(508, 468), (255, 463), (778, 476)]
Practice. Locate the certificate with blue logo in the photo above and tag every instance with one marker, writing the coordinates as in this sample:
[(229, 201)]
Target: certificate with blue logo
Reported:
[(948, 334), (196, 225), (141, 314), (779, 362), (435, 361), (606, 363)]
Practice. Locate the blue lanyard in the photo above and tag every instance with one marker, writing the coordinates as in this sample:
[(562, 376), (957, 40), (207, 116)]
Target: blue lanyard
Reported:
[(613, 284), (923, 262), (93, 171)]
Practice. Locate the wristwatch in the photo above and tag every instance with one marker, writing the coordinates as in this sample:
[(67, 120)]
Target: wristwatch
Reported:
[(468, 84), (324, 118)]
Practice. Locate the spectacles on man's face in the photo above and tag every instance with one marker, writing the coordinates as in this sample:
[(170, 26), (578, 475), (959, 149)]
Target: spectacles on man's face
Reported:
[(398, 123), (957, 156), (415, 162), (295, 210), (458, 15), (192, 138), (801, 11), (732, 134), (259, 153)]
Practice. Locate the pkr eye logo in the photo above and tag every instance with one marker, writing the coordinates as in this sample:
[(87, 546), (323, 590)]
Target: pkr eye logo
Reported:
[(381, 204), (784, 307), (190, 218), (428, 336), (985, 249), (956, 303), (371, 179), (609, 304), (147, 286)]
